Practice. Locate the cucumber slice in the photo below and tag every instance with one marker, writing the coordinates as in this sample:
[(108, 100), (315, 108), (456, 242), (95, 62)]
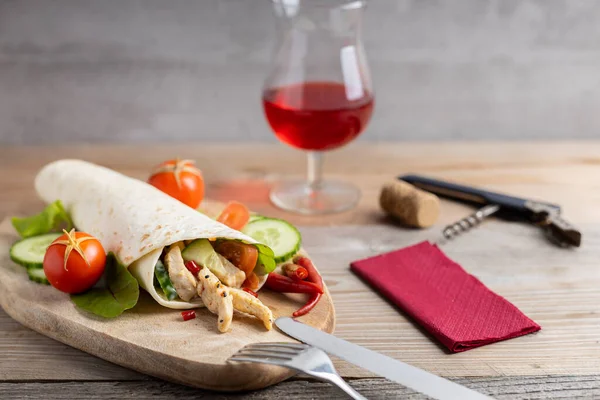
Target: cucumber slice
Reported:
[(255, 217), (30, 252), (281, 236), (162, 276), (202, 253), (37, 275)]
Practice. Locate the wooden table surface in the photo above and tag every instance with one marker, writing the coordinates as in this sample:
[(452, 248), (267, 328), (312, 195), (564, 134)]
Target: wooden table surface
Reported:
[(558, 288)]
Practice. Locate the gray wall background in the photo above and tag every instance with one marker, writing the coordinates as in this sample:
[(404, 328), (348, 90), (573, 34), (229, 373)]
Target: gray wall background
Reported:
[(191, 70)]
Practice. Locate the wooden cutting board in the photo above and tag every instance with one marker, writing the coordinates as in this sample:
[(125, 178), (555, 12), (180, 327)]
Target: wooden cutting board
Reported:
[(152, 339)]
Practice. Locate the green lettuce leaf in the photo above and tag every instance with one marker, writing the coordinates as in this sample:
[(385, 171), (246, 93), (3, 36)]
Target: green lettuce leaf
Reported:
[(98, 301), (266, 260), (121, 292), (52, 219)]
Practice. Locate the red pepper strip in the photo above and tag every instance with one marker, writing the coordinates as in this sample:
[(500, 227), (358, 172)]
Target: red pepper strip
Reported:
[(192, 267), (280, 283), (250, 292), (295, 271), (313, 275), (310, 304), (187, 315)]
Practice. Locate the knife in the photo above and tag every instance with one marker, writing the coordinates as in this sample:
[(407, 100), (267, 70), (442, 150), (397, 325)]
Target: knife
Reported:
[(387, 367)]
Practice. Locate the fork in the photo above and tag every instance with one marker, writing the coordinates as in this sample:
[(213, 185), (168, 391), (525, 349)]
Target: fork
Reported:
[(296, 356)]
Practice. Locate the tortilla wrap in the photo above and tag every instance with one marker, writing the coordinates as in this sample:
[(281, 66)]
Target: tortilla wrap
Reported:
[(131, 218)]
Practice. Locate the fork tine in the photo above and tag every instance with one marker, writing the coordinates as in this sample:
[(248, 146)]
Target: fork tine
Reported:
[(291, 346), (297, 357), (257, 353), (256, 360), (264, 356), (277, 350)]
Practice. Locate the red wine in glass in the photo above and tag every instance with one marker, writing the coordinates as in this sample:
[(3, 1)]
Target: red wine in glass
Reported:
[(316, 115), (317, 95)]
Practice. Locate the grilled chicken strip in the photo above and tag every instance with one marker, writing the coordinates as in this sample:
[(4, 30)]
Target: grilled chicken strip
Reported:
[(216, 298), (232, 276), (182, 279), (249, 304)]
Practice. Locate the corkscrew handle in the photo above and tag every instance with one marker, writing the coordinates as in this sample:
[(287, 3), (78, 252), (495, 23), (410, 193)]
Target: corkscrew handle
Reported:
[(473, 195)]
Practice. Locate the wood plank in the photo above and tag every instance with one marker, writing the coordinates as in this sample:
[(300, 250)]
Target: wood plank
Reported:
[(567, 173), (555, 287), (28, 355), (514, 388)]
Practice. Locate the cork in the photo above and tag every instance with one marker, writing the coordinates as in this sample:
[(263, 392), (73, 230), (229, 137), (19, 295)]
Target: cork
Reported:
[(409, 205)]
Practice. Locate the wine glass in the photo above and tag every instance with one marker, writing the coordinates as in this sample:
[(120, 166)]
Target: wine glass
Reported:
[(317, 95)]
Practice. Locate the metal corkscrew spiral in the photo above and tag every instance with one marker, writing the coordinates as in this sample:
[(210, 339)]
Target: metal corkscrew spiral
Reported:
[(469, 222)]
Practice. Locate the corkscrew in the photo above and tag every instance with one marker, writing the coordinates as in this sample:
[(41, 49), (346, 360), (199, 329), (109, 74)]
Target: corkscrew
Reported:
[(469, 222), (545, 215)]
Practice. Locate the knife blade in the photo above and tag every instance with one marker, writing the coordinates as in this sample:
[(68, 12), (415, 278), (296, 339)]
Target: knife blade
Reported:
[(387, 367)]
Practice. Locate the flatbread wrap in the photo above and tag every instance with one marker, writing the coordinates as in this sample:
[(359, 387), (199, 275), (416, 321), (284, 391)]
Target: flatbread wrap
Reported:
[(145, 227)]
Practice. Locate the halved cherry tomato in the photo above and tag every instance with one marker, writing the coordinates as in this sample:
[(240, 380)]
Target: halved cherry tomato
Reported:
[(235, 215), (242, 255), (250, 292), (251, 281), (74, 262), (179, 179)]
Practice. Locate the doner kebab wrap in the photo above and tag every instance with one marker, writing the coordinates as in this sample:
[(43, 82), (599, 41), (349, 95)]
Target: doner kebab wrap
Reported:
[(147, 229)]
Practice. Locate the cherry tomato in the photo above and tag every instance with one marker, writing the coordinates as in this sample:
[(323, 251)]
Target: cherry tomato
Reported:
[(179, 179), (83, 266), (235, 215), (251, 282), (242, 255)]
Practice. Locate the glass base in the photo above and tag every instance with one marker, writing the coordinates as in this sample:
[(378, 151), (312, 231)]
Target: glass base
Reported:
[(330, 197)]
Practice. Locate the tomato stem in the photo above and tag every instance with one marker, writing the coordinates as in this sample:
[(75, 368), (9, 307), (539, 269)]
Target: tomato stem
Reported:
[(73, 243), (177, 168)]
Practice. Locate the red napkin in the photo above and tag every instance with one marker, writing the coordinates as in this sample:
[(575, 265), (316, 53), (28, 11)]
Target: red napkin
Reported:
[(452, 305)]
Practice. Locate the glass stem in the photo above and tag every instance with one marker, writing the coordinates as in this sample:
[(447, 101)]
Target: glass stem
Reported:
[(315, 170)]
